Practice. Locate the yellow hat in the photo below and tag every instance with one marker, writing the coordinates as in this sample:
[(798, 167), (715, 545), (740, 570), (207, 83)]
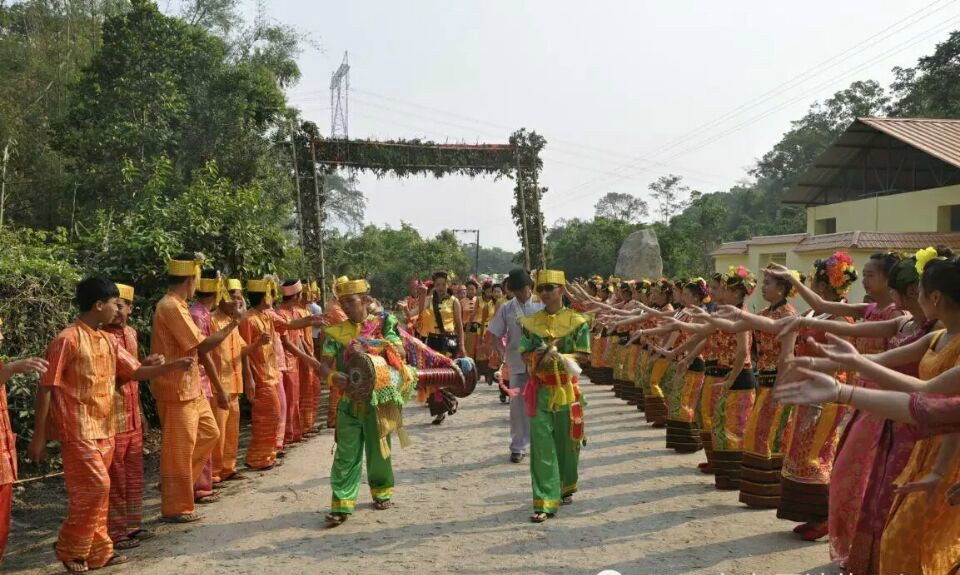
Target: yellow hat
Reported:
[(126, 292), (347, 286), (184, 268), (264, 286), (554, 277), (208, 285), (234, 284)]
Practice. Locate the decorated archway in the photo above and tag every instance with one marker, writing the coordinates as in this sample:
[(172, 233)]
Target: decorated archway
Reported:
[(519, 160)]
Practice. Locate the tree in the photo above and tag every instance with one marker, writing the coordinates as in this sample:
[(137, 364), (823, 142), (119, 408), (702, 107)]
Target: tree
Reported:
[(527, 213), (161, 88), (619, 206), (582, 248), (493, 260), (930, 88), (670, 194)]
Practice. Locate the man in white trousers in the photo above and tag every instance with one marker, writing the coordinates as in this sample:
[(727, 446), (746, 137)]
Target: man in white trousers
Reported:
[(507, 323)]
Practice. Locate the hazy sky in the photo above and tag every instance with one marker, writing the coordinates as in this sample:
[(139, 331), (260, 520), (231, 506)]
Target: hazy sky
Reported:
[(623, 91)]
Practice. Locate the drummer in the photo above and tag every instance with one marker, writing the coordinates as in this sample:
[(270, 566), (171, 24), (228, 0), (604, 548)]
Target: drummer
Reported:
[(357, 428)]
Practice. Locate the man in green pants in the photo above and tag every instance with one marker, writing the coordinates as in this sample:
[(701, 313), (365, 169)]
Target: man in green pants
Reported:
[(553, 341), (364, 426)]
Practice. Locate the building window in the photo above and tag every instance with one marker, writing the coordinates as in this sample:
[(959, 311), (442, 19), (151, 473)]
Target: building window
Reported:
[(948, 218), (825, 226), (773, 258)]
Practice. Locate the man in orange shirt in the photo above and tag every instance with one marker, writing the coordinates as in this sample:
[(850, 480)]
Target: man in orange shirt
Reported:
[(292, 348), (8, 445), (126, 466), (84, 363), (189, 428), (229, 357)]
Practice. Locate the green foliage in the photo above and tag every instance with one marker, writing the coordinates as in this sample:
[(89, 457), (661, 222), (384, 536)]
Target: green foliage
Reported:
[(492, 260), (404, 158), (390, 257), (930, 89), (582, 248), (37, 278)]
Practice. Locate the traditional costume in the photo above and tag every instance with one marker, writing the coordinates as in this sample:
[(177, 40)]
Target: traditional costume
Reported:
[(8, 468), (437, 323), (731, 411), (202, 317), (84, 366), (229, 357), (553, 400), (364, 426), (126, 467), (682, 396), (763, 438), (265, 414), (189, 428)]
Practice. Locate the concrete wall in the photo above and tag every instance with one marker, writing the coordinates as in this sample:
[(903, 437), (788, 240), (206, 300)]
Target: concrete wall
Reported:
[(910, 212)]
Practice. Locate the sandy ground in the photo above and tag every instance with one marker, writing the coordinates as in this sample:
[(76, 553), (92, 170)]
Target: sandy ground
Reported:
[(462, 507)]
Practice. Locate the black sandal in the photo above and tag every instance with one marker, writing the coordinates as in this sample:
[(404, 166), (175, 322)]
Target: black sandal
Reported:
[(382, 504), (126, 543), (439, 419), (142, 535), (335, 519), (566, 500), (539, 517)]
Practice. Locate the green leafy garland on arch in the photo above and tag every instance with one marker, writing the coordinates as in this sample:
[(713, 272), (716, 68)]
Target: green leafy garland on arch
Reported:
[(518, 160)]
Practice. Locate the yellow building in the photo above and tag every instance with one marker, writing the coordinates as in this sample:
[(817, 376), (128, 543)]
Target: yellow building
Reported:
[(886, 184)]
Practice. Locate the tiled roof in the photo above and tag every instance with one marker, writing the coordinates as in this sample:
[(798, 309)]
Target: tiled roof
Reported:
[(878, 241), (881, 156), (893, 241)]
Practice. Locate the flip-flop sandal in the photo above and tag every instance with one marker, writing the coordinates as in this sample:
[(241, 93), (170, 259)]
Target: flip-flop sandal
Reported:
[(335, 519), (539, 517), (116, 560), (82, 563), (124, 544), (182, 518), (237, 477), (568, 500), (382, 504), (206, 499), (142, 535)]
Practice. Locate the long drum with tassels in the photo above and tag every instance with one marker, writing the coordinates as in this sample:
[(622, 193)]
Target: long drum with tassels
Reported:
[(366, 372)]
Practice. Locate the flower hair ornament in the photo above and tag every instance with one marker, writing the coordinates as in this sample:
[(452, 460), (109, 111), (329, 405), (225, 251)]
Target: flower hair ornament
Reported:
[(925, 256), (699, 285), (838, 270), (741, 276)]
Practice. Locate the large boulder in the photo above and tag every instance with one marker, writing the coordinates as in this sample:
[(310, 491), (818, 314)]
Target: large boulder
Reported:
[(639, 256)]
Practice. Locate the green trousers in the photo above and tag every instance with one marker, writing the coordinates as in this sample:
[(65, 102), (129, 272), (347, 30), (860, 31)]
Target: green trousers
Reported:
[(357, 433), (554, 457)]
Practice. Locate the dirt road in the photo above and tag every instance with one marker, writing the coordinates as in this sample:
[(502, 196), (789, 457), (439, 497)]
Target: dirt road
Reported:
[(462, 507)]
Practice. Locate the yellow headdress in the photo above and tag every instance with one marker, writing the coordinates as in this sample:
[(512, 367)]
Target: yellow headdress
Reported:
[(265, 286), (346, 286), (234, 284), (184, 268), (553, 277), (126, 292)]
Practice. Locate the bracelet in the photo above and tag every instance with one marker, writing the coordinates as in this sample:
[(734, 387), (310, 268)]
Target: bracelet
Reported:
[(839, 389)]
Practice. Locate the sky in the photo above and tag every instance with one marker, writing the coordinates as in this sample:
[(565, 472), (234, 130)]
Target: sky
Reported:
[(623, 91)]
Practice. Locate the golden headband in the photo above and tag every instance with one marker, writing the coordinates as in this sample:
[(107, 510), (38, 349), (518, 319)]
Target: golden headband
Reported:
[(350, 287), (208, 285), (126, 292), (554, 277), (183, 268), (234, 284)]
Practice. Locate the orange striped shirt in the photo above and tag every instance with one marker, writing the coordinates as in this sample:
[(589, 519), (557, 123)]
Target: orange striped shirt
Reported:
[(84, 366), (126, 395), (295, 335), (175, 335), (263, 359), (229, 355)]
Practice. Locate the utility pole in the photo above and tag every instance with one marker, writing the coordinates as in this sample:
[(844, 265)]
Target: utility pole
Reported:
[(3, 180), (523, 213), (476, 259), (296, 179), (318, 207)]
